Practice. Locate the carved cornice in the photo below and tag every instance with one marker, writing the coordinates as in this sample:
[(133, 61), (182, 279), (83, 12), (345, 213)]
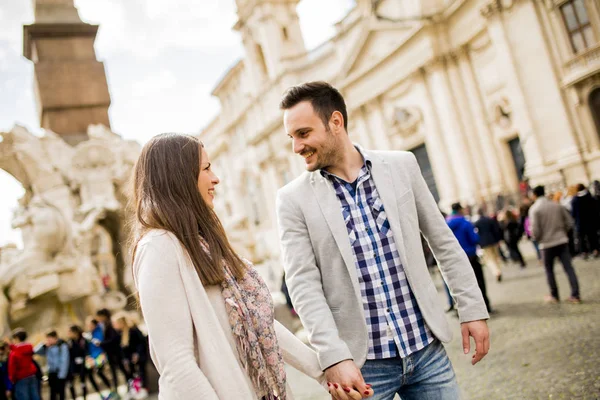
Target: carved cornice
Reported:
[(496, 7)]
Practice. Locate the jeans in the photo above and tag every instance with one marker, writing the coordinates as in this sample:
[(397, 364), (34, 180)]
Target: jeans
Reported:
[(561, 252), (424, 375), (27, 389)]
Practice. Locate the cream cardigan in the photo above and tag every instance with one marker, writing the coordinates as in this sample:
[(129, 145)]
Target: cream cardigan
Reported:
[(190, 338)]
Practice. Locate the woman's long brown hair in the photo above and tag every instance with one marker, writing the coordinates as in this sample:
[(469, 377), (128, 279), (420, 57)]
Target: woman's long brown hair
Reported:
[(165, 196)]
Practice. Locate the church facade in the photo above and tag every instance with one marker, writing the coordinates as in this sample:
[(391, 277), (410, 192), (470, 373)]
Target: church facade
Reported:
[(486, 93)]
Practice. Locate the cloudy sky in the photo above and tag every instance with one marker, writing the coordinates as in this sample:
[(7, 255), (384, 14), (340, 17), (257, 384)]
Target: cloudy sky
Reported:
[(162, 58)]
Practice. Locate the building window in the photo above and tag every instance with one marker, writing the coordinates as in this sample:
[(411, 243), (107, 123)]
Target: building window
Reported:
[(578, 25)]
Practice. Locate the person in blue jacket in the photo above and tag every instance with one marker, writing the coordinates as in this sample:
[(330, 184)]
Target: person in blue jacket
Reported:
[(468, 239), (57, 356), (96, 359)]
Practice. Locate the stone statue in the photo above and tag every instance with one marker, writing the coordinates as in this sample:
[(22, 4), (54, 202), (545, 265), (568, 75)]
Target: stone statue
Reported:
[(67, 268)]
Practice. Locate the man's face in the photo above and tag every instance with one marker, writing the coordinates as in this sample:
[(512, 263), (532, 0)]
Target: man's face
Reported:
[(51, 341), (311, 139)]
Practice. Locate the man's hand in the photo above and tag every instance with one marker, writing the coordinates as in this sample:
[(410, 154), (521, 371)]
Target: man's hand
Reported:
[(481, 334), (346, 375)]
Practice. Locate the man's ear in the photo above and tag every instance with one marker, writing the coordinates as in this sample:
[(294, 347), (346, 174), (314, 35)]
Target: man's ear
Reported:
[(336, 122)]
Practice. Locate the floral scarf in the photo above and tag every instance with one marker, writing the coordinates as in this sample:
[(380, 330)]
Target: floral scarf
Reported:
[(250, 310)]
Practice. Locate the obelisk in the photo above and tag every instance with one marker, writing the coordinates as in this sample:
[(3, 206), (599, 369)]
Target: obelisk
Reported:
[(70, 83)]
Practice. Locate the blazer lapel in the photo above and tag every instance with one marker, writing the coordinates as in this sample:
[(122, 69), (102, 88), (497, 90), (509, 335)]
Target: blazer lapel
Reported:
[(330, 206), (382, 175)]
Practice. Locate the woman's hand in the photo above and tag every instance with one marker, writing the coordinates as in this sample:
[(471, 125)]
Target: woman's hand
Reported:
[(338, 392)]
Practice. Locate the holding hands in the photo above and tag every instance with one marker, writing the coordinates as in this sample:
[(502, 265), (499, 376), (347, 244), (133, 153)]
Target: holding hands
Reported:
[(345, 382)]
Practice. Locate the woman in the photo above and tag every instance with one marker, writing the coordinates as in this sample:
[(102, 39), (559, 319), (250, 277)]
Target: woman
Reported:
[(133, 347), (209, 314)]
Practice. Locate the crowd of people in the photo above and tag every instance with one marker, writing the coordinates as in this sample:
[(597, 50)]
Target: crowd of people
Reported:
[(69, 363), (559, 225)]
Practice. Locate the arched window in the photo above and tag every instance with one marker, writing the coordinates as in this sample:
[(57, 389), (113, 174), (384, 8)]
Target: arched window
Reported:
[(595, 107)]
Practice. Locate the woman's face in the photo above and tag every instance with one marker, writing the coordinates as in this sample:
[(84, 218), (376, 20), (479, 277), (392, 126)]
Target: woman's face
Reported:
[(207, 180)]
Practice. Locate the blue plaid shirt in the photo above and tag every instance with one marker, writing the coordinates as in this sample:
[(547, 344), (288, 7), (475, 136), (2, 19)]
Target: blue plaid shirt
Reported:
[(394, 321)]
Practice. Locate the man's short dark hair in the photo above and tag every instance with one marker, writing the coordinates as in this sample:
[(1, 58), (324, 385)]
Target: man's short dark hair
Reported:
[(52, 334), (324, 98), (456, 207), (580, 187), (539, 191), (103, 312), (20, 334)]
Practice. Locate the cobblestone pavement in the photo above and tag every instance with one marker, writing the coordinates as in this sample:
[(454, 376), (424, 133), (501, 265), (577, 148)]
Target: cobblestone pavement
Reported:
[(538, 351)]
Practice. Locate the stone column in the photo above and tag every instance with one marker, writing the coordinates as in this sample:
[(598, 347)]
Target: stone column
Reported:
[(483, 134), (445, 176), (360, 132), (445, 107), (71, 87), (376, 122), (466, 123)]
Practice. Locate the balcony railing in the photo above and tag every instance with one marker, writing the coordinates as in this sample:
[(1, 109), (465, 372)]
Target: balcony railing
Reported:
[(583, 65)]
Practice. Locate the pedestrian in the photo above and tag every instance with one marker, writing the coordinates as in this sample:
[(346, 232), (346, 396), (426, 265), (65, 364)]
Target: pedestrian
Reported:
[(349, 229), (490, 235), (134, 350), (550, 224), (585, 213), (513, 231), (21, 368), (526, 228), (111, 344), (79, 352), (6, 386), (468, 240), (567, 202), (96, 357), (208, 312), (56, 352)]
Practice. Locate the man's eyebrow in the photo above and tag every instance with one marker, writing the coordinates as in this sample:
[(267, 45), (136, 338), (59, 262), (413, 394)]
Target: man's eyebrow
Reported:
[(300, 130)]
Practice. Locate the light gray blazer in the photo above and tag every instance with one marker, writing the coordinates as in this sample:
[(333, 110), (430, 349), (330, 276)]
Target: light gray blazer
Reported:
[(319, 263)]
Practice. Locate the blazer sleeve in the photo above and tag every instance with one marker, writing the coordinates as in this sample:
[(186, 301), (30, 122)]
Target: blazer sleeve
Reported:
[(452, 260), (303, 279), (298, 355), (168, 319)]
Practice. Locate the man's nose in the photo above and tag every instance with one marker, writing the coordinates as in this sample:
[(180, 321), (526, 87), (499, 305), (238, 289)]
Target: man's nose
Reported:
[(298, 146)]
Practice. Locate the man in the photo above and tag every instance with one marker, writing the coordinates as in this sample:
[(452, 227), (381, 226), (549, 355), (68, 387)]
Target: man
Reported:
[(354, 263), (490, 234), (550, 224), (56, 352), (468, 240), (22, 371), (584, 209)]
